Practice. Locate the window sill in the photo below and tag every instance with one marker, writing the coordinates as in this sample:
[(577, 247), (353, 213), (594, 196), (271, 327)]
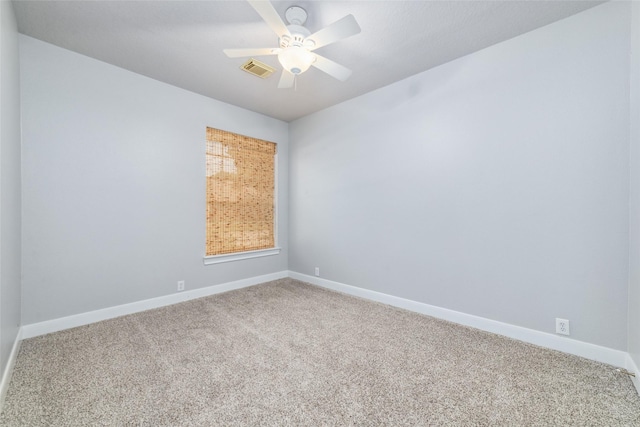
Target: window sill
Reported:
[(217, 259)]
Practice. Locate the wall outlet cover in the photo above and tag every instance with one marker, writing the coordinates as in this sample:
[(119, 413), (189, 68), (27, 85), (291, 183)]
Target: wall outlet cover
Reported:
[(562, 327)]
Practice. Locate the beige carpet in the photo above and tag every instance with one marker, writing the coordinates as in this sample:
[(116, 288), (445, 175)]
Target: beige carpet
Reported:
[(290, 354)]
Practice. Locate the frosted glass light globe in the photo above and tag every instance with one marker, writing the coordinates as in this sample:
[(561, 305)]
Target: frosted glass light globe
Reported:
[(295, 59)]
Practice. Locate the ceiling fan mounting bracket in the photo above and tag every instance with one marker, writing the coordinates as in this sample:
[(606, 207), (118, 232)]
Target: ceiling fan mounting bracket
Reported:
[(296, 15)]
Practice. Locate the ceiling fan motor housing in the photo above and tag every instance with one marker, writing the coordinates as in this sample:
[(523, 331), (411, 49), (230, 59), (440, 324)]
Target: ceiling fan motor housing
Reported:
[(298, 36)]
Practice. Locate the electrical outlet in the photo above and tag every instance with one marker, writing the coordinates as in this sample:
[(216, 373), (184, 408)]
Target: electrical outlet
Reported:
[(318, 271), (562, 326), (181, 285)]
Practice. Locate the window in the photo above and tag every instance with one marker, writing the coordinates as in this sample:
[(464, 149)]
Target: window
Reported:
[(240, 196)]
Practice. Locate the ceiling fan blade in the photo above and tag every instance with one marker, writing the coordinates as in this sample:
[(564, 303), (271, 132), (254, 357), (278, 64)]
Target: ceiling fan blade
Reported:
[(345, 27), (239, 53), (287, 80), (266, 10), (334, 69)]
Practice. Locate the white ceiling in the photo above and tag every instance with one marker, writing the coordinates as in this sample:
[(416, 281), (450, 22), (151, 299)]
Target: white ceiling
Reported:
[(181, 42)]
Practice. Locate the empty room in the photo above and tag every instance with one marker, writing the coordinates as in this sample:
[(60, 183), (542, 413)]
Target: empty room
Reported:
[(304, 213)]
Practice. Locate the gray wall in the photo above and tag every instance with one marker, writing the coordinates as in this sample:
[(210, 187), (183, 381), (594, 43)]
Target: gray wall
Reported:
[(114, 187), (10, 216), (634, 200), (495, 185)]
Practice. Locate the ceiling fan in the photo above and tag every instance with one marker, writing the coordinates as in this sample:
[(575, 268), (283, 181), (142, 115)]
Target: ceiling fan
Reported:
[(297, 43)]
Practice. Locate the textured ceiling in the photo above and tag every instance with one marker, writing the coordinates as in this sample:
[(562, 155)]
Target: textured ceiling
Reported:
[(181, 42)]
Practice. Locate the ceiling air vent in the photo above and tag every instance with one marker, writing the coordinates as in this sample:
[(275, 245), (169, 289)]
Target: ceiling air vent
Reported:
[(257, 68)]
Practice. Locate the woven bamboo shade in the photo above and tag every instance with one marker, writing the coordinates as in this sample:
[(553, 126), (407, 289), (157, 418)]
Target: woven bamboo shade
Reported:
[(240, 193)]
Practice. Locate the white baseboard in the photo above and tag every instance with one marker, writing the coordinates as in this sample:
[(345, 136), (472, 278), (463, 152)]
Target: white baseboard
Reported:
[(543, 339), (8, 370), (46, 327), (633, 368)]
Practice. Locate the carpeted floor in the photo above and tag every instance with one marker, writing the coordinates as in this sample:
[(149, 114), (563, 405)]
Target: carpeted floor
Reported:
[(286, 353)]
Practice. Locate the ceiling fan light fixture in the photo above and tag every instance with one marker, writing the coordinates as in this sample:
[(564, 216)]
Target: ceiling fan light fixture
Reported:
[(295, 59), (296, 43)]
